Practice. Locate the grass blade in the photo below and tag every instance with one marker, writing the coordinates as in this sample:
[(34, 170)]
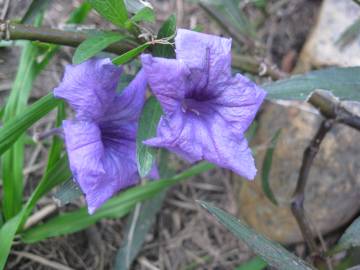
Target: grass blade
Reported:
[(274, 254), (16, 126), (13, 160), (57, 174)]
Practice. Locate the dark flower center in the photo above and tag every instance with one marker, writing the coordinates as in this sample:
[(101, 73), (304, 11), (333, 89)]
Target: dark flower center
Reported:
[(196, 106)]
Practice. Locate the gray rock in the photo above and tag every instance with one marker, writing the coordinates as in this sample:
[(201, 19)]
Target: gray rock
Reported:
[(333, 189)]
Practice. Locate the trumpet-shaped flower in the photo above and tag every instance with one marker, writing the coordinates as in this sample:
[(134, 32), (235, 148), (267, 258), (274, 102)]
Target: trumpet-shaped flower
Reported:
[(206, 109), (100, 141)]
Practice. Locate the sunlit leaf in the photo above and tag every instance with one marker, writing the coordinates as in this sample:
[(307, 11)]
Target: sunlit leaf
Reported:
[(342, 82), (148, 122)]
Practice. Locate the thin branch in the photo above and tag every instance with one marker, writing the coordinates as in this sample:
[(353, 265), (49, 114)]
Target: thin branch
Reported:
[(297, 205), (332, 108), (14, 31)]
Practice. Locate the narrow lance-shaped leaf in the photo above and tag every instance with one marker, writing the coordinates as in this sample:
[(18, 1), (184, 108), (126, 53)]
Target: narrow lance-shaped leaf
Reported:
[(95, 44), (114, 208), (147, 129), (126, 57), (266, 168), (112, 10), (342, 82), (274, 254)]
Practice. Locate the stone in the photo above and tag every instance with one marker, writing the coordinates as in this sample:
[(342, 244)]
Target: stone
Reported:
[(320, 49), (333, 188)]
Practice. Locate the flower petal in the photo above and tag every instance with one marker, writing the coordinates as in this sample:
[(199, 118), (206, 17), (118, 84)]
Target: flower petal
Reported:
[(239, 102), (89, 87), (128, 105), (100, 168), (195, 137), (168, 79), (207, 56)]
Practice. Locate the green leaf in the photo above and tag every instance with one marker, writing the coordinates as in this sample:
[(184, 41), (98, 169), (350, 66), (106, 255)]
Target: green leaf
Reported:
[(272, 253), (16, 126), (141, 221), (36, 7), (350, 34), (126, 57), (167, 30), (342, 82), (53, 177), (112, 10), (148, 122), (255, 263), (144, 15), (134, 6), (265, 176), (350, 239), (114, 208), (95, 44)]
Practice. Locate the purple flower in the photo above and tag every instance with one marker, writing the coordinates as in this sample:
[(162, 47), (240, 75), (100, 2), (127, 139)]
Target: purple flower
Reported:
[(206, 109), (100, 141)]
